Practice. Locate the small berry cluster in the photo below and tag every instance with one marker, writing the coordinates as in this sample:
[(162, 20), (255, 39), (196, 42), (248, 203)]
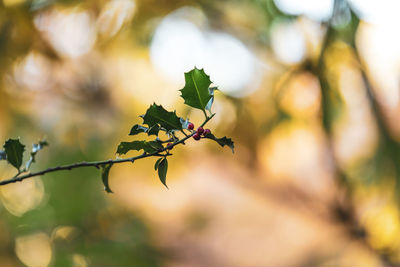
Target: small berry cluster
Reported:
[(200, 131)]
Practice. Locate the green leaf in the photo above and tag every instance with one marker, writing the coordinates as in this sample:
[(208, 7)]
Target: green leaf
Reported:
[(209, 104), (149, 147), (157, 163), (153, 130), (224, 141), (136, 129), (154, 146), (14, 151), (3, 155), (196, 93), (105, 170), (156, 114), (162, 171)]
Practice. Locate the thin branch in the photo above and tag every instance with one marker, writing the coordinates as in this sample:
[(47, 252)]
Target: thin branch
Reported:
[(205, 114), (185, 134), (78, 165), (97, 164)]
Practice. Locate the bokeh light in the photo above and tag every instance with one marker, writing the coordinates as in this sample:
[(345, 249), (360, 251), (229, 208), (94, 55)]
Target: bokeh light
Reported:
[(70, 32), (182, 42), (314, 9), (34, 250)]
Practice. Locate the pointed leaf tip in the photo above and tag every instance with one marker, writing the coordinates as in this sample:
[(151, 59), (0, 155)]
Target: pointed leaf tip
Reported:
[(157, 115), (162, 171), (224, 141), (136, 129), (105, 170)]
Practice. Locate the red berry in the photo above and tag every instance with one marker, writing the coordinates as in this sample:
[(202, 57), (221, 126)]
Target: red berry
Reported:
[(190, 126), (169, 144), (200, 130), (206, 132), (196, 136)]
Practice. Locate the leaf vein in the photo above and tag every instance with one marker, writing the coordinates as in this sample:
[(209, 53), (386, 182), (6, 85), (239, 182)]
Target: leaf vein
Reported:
[(197, 90)]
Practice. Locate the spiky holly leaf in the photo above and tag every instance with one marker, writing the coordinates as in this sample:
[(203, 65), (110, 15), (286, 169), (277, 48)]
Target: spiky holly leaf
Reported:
[(105, 170), (14, 151), (196, 93), (156, 114), (162, 171), (136, 129), (149, 147), (224, 141)]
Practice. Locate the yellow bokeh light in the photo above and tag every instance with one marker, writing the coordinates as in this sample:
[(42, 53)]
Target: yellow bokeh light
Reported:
[(294, 152), (22, 197), (301, 96), (34, 250), (383, 226), (13, 2), (64, 232), (79, 260), (113, 16)]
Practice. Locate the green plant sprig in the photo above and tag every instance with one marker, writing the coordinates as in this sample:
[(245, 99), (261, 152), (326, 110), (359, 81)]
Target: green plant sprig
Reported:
[(197, 93)]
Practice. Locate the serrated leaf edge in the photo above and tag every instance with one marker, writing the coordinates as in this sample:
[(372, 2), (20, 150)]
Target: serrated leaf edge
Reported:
[(161, 119), (8, 158)]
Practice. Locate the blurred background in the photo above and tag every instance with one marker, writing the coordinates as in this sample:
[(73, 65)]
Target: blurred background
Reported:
[(309, 92)]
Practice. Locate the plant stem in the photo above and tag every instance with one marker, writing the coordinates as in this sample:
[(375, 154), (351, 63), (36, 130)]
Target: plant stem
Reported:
[(78, 165), (184, 133), (205, 114), (96, 164)]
